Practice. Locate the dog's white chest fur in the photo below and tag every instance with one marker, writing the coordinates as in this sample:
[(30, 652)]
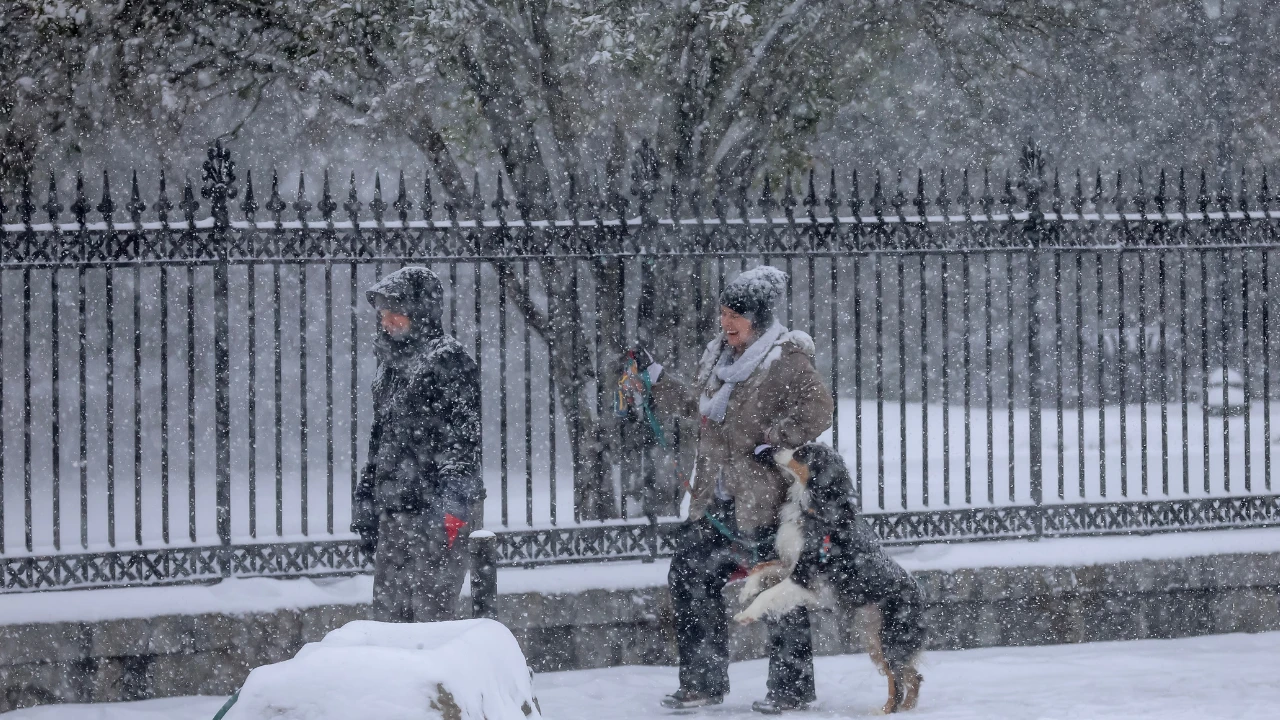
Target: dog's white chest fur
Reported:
[(789, 543), (790, 538)]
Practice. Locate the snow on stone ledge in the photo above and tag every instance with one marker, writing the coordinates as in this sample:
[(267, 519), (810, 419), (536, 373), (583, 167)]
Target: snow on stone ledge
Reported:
[(460, 670)]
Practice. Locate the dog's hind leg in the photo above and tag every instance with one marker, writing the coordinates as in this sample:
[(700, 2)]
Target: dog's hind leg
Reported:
[(910, 681), (872, 624)]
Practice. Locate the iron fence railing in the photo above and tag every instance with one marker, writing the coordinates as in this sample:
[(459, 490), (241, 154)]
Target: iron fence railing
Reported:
[(186, 399)]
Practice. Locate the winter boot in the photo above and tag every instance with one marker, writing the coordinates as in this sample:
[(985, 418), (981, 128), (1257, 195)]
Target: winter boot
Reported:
[(688, 700), (770, 706)]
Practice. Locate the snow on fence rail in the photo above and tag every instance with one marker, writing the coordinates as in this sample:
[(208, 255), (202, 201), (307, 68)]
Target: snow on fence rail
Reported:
[(185, 399)]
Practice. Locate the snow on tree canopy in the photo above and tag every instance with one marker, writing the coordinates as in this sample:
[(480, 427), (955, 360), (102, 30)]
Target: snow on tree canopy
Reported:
[(754, 293), (461, 670)]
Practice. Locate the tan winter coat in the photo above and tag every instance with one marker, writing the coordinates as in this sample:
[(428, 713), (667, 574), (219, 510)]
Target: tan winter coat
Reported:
[(783, 403)]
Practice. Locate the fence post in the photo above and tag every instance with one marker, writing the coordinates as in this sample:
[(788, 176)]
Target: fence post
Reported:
[(218, 187), (1033, 183), (483, 546)]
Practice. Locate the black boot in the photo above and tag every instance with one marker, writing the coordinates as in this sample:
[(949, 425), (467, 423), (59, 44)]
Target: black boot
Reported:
[(688, 700), (769, 706)]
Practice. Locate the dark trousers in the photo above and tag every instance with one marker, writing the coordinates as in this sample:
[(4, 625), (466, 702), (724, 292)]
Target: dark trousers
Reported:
[(417, 577), (704, 560)]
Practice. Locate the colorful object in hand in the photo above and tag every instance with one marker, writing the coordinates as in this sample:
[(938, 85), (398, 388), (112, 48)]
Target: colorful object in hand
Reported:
[(633, 395), (452, 525)]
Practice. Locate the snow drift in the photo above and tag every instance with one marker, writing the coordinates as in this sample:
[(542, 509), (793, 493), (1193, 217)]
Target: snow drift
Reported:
[(460, 670)]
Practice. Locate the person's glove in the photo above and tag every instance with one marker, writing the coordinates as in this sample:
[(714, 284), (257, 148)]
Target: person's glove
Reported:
[(364, 521), (456, 516), (764, 453)]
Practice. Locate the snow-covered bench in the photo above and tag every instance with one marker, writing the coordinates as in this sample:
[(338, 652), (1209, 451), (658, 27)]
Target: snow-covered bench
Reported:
[(461, 670)]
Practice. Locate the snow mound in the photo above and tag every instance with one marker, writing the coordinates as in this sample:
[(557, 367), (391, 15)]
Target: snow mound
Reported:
[(460, 670)]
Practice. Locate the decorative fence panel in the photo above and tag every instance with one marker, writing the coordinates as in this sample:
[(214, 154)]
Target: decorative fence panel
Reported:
[(185, 399)]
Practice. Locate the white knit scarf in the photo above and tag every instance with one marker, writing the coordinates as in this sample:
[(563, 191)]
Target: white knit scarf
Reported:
[(714, 401)]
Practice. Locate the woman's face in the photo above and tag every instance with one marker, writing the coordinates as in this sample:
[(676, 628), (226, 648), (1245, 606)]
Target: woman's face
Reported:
[(737, 329)]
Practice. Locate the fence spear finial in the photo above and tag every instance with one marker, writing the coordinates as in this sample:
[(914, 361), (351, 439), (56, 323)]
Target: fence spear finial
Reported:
[(1244, 192), (877, 197), (80, 208), (1140, 197), (1224, 193), (275, 204), (766, 203), (921, 202), (1077, 198), (1182, 190), (352, 206), (833, 197), (811, 199), (789, 199), (1162, 199), (26, 208), (377, 206), (327, 205), (135, 205), (899, 198), (855, 197), (943, 201), (107, 206), (1202, 198), (249, 206), (189, 205), (302, 206), (402, 203), (52, 207), (1056, 204), (500, 203), (1007, 198)]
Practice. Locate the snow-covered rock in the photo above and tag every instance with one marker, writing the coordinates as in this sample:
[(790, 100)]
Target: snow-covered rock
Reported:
[(461, 670)]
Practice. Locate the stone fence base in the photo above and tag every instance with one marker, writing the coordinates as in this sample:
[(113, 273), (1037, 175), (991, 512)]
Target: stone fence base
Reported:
[(210, 654)]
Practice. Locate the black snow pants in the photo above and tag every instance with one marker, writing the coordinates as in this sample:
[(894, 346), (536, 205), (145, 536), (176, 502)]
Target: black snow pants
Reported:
[(417, 577), (704, 561)]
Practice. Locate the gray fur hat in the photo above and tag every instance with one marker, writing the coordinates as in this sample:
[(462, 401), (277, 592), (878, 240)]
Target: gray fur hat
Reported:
[(754, 294)]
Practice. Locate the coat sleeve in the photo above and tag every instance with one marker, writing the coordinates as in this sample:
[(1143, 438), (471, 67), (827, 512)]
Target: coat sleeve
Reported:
[(454, 404), (673, 397), (803, 402), (364, 489), (364, 514)]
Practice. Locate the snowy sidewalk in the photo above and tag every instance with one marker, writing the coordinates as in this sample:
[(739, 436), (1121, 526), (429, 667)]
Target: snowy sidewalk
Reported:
[(1208, 678)]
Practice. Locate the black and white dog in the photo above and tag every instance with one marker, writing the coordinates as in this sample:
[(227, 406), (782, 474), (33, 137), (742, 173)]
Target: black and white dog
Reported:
[(822, 541)]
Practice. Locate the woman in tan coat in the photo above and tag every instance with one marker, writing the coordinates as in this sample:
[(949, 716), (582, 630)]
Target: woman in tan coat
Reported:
[(756, 388)]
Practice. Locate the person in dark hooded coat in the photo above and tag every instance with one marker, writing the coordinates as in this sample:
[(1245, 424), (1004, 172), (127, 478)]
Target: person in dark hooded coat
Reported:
[(412, 504)]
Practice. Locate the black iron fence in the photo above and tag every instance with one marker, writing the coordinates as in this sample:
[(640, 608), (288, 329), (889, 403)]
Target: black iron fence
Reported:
[(184, 399)]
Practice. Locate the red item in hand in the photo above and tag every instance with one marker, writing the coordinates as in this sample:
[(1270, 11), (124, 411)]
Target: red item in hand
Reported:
[(451, 527)]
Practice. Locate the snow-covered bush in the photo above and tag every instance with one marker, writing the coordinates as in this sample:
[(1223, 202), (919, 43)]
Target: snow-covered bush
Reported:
[(461, 670)]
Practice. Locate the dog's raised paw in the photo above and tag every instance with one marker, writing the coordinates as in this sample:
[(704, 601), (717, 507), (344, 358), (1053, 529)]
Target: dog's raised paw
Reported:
[(745, 618)]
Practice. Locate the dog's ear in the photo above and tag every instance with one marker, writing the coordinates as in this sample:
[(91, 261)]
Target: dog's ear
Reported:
[(829, 472)]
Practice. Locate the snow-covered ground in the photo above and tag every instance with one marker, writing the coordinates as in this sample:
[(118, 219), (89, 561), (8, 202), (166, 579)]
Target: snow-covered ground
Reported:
[(1227, 677)]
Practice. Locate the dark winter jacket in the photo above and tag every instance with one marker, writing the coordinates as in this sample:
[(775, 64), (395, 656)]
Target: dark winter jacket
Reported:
[(424, 447)]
